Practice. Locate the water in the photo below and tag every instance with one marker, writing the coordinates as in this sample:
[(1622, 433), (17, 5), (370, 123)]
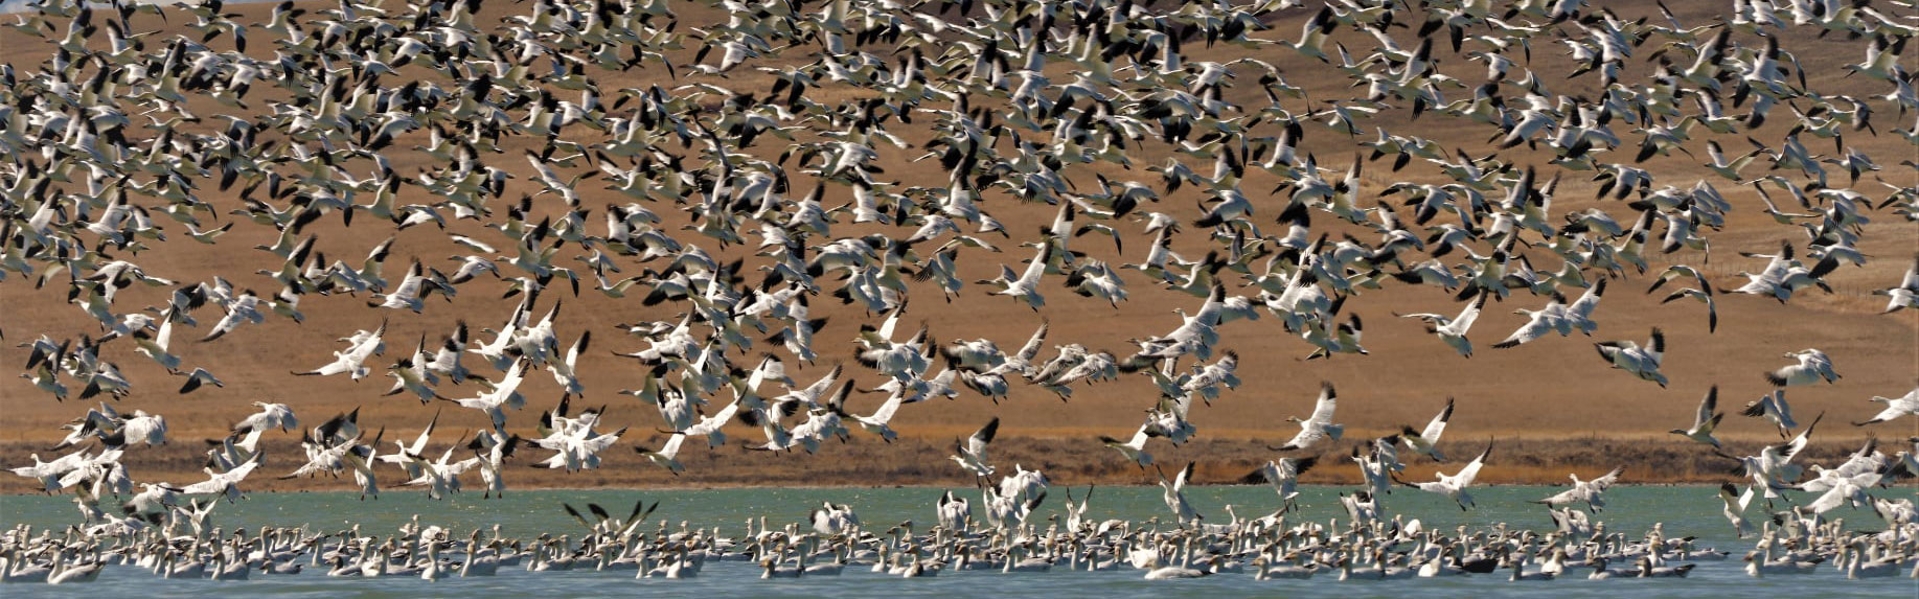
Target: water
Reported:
[(1689, 510)]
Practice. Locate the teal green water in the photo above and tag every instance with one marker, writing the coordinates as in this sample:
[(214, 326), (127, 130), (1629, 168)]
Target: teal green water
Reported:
[(1690, 510), (1686, 510)]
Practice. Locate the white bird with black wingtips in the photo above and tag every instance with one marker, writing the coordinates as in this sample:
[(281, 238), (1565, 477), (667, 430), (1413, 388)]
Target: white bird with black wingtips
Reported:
[(1318, 429), (1641, 361), (1283, 475), (954, 512), (352, 360), (1135, 448), (1588, 492), (1024, 286), (1454, 486), (832, 519), (1814, 366), (1538, 323), (1705, 420), (1906, 294), (1453, 330), (1895, 407), (1773, 406), (1175, 496), (879, 421), (972, 450), (667, 456), (1426, 441)]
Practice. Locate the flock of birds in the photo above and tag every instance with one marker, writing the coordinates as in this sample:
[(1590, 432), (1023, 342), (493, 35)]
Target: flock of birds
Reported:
[(1366, 547), (1017, 102)]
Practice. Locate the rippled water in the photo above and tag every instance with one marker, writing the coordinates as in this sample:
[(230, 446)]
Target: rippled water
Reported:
[(1632, 510)]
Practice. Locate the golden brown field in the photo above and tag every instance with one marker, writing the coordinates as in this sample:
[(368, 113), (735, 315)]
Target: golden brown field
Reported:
[(1551, 405)]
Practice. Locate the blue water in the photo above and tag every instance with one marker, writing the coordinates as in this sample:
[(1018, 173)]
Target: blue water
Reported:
[(1689, 510)]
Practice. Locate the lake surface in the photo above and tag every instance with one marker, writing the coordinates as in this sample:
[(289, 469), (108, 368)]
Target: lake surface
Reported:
[(1686, 510)]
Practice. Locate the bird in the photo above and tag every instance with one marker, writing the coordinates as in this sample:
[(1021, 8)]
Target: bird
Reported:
[(1735, 507), (1361, 506), (141, 427), (1342, 338), (1283, 475), (241, 309), (1024, 285), (1704, 420), (575, 444), (1313, 34), (1454, 486), (879, 421), (1773, 407), (1648, 570), (1318, 429), (1453, 330), (1378, 465), (199, 377), (226, 484), (1174, 491), (1518, 564), (832, 519), (1135, 448), (1784, 276), (492, 449), (712, 426), (156, 344), (566, 369), (409, 293), (1814, 366), (1702, 292), (1728, 168), (954, 512), (1772, 470), (1538, 323), (498, 396), (1588, 492), (1642, 362), (1578, 315), (972, 451), (1906, 293), (442, 477), (1895, 407), (1020, 100), (1426, 441), (667, 455), (352, 360)]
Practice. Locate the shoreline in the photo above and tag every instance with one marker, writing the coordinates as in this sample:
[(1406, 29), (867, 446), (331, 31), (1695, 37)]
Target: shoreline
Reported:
[(898, 486), (910, 463)]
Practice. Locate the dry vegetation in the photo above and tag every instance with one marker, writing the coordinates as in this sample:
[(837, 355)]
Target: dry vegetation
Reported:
[(864, 461), (1551, 405)]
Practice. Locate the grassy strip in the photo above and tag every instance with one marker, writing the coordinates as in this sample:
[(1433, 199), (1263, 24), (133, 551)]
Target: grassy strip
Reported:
[(864, 463)]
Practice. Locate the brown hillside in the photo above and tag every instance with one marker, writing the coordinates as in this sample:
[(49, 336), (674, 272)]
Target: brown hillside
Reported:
[(1553, 400)]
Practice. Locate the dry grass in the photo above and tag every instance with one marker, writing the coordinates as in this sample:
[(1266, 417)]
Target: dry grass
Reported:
[(1554, 406), (864, 461)]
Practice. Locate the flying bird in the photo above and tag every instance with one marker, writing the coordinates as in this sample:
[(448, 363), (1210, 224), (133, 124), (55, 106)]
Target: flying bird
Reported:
[(1814, 366), (1453, 330), (1318, 429), (1426, 441), (1895, 407), (1454, 486), (1704, 420), (1640, 361), (971, 454)]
